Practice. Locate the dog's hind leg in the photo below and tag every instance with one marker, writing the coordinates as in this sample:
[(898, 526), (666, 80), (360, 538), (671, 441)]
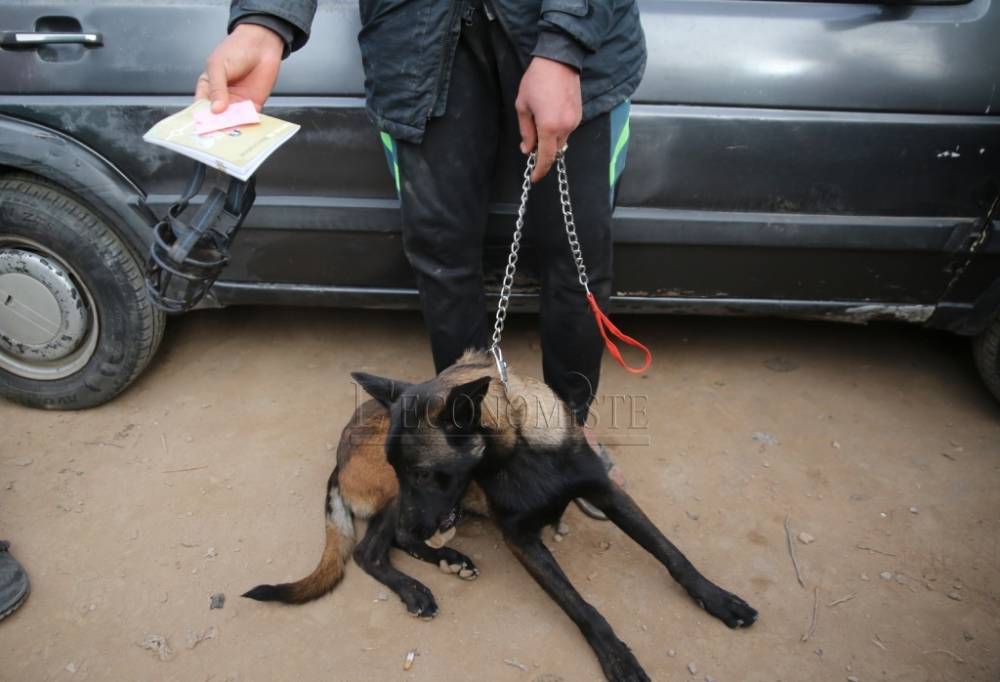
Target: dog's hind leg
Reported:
[(616, 659), (625, 513), (445, 558), (372, 554)]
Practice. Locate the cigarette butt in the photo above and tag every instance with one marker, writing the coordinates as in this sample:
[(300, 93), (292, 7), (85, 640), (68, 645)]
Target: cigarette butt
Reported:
[(408, 662)]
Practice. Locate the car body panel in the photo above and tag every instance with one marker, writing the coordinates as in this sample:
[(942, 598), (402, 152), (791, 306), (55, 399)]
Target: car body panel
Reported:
[(803, 158)]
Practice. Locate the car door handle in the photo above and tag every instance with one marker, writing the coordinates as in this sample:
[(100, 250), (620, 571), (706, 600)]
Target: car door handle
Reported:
[(35, 38)]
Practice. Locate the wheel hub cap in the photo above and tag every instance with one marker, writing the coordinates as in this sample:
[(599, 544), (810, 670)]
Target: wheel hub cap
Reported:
[(42, 314)]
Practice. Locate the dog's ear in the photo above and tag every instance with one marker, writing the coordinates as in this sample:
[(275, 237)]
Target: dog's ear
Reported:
[(463, 408), (386, 391)]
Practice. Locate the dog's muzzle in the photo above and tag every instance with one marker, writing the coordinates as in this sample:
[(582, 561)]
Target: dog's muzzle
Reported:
[(187, 256)]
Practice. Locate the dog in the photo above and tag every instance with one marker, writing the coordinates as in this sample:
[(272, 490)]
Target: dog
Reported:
[(417, 455)]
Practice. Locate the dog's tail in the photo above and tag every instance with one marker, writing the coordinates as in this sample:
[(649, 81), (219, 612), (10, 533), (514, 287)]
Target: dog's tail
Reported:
[(339, 544)]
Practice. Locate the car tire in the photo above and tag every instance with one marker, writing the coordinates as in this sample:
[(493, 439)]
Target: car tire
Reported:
[(80, 326), (986, 351)]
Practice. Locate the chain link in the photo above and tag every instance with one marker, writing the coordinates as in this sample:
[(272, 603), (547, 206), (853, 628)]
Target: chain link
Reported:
[(567, 211), (515, 247)]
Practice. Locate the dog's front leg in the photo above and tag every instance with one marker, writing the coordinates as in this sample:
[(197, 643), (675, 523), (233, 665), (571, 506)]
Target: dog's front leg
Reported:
[(617, 660), (625, 513), (445, 558), (372, 554)]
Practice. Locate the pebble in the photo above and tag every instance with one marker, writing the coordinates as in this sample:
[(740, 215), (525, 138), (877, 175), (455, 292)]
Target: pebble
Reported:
[(764, 437), (671, 653), (852, 678), (691, 515), (71, 667), (805, 538), (955, 595), (864, 576), (692, 668), (885, 575), (562, 528), (709, 678), (835, 445), (914, 510), (780, 364)]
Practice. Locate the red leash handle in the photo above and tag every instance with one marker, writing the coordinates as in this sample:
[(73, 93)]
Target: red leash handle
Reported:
[(605, 325)]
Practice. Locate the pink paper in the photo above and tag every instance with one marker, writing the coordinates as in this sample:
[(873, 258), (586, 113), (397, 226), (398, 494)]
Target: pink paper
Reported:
[(237, 114)]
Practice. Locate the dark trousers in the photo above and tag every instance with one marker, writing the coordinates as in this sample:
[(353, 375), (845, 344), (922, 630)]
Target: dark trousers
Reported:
[(445, 183)]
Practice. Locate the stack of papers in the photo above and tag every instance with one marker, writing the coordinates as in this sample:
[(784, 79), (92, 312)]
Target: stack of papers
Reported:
[(236, 141)]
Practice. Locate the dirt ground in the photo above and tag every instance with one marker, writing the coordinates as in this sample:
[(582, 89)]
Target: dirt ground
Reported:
[(208, 476)]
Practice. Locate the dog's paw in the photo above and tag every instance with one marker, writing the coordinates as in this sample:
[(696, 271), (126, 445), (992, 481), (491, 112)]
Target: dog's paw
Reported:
[(419, 601), (728, 608), (460, 565), (620, 665)]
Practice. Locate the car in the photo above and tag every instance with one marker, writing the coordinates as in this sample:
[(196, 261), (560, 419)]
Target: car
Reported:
[(826, 160)]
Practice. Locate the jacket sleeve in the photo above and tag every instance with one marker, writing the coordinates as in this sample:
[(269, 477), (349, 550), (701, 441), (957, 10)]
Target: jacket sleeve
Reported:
[(572, 28), (290, 19)]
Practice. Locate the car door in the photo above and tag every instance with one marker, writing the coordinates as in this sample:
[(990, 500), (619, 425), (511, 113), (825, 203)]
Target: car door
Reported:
[(787, 153), (326, 208)]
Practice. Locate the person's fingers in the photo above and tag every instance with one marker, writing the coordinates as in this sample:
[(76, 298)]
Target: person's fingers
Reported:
[(547, 147), (526, 123), (201, 87), (218, 84)]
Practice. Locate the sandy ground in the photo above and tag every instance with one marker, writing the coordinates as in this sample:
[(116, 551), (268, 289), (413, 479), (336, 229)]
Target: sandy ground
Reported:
[(208, 476)]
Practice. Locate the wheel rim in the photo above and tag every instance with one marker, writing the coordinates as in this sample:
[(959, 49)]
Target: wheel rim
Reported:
[(48, 320)]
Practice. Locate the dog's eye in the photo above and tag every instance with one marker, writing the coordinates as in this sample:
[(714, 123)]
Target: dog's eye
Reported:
[(421, 476)]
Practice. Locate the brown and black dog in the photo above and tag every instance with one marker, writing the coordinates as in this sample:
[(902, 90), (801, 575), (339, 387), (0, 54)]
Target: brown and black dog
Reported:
[(416, 455)]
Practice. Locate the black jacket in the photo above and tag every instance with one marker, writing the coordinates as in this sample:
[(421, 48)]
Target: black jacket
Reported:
[(407, 47)]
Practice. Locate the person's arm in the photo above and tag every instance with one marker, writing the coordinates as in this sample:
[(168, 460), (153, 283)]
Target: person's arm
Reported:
[(287, 32), (549, 102), (291, 19), (585, 22), (245, 65)]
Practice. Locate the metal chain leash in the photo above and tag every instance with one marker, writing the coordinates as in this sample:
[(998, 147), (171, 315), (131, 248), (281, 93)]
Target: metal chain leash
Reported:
[(567, 211), (515, 247)]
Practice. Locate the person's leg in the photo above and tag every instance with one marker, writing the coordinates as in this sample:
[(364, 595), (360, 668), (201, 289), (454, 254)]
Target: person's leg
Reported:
[(571, 342), (572, 346), (444, 188)]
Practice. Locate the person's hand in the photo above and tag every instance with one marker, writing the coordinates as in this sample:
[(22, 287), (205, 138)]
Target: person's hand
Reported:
[(549, 108), (244, 66)]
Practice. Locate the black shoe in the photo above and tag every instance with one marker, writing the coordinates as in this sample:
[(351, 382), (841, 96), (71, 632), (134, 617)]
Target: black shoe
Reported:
[(14, 585)]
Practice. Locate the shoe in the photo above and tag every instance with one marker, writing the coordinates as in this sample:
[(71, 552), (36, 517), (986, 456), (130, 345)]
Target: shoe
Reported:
[(613, 472), (14, 585)]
